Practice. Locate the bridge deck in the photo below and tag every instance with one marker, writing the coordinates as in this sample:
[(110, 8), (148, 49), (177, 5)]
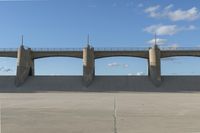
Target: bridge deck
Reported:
[(141, 52)]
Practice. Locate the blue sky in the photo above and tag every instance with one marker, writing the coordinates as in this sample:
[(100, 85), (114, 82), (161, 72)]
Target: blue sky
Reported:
[(110, 23)]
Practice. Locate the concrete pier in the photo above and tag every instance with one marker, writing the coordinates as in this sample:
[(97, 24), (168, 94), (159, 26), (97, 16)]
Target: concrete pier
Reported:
[(88, 65), (25, 65), (154, 65)]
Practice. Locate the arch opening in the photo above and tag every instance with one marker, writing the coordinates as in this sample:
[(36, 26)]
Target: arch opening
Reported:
[(180, 65), (122, 66), (8, 66), (58, 66)]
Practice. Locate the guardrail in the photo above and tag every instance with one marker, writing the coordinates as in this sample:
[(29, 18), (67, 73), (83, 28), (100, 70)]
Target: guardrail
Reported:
[(8, 49), (56, 49), (181, 48), (122, 49), (105, 49)]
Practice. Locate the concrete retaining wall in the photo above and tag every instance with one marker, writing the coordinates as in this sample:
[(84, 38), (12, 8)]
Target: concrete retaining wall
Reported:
[(101, 83)]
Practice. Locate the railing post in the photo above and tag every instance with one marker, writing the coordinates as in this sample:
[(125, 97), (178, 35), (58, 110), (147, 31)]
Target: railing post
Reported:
[(88, 65), (154, 65), (25, 65)]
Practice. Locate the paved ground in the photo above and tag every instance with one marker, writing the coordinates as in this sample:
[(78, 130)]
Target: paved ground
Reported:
[(69, 112)]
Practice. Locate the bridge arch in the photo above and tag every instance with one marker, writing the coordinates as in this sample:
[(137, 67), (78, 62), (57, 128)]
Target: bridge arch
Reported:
[(56, 56), (46, 54), (121, 65), (118, 55), (58, 65), (171, 56), (180, 65), (175, 53), (106, 54)]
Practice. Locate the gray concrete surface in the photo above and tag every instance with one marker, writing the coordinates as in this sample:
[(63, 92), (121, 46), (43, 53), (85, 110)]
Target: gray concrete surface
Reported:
[(71, 112), (101, 84)]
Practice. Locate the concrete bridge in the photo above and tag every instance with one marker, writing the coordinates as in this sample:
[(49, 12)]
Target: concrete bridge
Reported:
[(25, 58)]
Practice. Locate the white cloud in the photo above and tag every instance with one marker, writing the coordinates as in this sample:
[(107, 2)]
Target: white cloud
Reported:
[(158, 41), (152, 11), (5, 69), (189, 15), (170, 6), (161, 29), (130, 74), (114, 64), (190, 27), (140, 73), (125, 65), (167, 29), (174, 15)]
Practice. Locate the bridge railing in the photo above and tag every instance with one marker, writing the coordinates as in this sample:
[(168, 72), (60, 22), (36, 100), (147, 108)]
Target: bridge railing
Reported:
[(8, 49), (122, 49), (56, 49), (181, 48), (104, 49)]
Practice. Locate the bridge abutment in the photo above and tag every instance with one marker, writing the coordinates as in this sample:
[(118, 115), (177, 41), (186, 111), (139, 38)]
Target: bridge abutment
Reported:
[(88, 65), (25, 65), (154, 65)]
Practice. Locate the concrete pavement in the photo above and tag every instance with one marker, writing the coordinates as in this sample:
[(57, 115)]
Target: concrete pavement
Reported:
[(70, 112)]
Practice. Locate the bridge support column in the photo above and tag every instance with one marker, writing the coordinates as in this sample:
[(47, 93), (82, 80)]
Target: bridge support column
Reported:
[(154, 65), (25, 65), (88, 65)]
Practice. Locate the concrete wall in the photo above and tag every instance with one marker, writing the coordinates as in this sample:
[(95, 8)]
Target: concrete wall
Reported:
[(101, 83)]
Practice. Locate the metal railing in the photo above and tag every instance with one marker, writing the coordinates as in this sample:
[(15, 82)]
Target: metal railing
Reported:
[(181, 48), (56, 49), (8, 49), (104, 49), (122, 49)]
